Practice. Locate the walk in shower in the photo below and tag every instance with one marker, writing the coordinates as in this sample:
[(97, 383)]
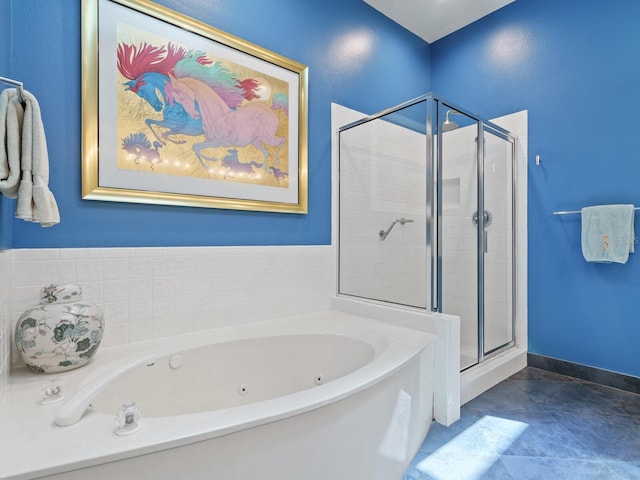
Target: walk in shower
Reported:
[(427, 218)]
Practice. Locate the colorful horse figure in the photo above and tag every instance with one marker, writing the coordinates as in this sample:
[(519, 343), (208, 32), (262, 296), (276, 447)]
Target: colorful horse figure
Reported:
[(138, 147), (278, 174), (147, 67), (249, 124), (174, 116), (236, 168)]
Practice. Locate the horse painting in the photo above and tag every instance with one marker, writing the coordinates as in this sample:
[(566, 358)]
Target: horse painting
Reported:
[(249, 124)]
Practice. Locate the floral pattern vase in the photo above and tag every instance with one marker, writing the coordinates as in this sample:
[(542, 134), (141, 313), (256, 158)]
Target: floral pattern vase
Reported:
[(62, 333)]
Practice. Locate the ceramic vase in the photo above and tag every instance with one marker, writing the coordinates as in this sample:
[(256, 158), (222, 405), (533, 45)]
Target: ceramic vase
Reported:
[(62, 333)]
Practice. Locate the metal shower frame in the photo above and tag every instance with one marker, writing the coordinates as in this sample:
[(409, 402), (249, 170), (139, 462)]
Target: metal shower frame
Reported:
[(436, 109)]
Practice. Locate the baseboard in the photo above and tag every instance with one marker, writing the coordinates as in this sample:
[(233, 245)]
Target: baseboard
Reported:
[(591, 374)]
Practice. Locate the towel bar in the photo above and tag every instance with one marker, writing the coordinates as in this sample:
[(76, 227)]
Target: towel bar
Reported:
[(574, 212), (17, 84)]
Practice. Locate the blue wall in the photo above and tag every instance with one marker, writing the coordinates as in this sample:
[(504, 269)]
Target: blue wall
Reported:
[(46, 56), (573, 64), (5, 71)]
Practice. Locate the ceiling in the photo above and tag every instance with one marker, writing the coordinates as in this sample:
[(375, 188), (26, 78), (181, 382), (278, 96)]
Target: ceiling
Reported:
[(434, 19)]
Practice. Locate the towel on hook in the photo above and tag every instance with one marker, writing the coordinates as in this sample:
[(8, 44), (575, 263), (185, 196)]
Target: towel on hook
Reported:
[(35, 202), (608, 233), (10, 135)]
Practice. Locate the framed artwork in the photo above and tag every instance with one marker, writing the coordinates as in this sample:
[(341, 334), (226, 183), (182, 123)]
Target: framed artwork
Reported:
[(177, 112)]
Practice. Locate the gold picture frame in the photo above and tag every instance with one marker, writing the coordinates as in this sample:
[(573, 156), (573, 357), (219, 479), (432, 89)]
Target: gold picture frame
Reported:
[(177, 112)]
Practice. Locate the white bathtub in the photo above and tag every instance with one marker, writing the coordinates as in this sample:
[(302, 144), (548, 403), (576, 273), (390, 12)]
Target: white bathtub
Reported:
[(319, 396)]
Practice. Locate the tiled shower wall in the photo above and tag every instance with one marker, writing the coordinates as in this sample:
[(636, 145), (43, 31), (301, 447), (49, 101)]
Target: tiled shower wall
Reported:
[(382, 178), (148, 293)]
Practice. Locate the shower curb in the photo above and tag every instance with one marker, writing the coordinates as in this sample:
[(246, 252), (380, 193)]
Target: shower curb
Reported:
[(583, 372)]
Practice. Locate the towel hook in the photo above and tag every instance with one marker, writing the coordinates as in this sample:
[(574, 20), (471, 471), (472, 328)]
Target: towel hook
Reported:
[(19, 86)]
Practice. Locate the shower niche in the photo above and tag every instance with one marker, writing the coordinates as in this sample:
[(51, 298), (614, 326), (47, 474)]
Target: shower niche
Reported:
[(420, 172)]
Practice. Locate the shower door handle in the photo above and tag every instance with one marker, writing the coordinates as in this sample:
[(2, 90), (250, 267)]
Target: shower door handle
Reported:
[(487, 217)]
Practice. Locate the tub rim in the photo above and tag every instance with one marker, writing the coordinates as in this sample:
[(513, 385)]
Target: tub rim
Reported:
[(161, 433)]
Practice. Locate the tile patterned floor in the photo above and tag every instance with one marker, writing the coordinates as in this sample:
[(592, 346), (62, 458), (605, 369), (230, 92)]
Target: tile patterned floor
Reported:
[(537, 425)]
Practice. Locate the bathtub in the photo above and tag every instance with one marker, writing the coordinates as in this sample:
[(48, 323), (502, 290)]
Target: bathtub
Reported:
[(321, 396)]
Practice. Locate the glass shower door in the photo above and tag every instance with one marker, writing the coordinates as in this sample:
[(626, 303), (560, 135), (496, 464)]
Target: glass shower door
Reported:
[(476, 232), (383, 252), (458, 237), (498, 241)]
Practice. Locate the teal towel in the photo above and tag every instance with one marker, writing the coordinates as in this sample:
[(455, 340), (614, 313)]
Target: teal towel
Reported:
[(607, 233)]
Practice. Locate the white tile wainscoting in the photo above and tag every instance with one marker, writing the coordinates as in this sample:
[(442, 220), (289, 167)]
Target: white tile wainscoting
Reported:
[(5, 323), (154, 292)]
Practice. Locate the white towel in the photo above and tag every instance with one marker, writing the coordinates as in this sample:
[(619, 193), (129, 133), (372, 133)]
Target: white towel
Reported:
[(10, 134), (35, 202)]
